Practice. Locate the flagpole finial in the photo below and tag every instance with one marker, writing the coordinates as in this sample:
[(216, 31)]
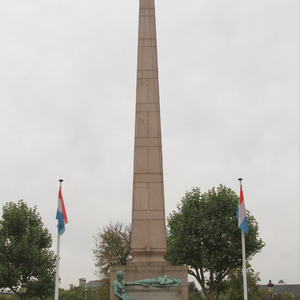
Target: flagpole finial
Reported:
[(60, 182), (240, 179)]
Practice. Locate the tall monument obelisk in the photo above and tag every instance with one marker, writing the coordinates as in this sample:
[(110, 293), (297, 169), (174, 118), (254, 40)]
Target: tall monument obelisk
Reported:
[(148, 238)]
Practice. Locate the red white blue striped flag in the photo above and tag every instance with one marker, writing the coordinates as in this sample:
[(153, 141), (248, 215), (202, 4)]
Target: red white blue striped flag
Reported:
[(241, 214), (61, 214)]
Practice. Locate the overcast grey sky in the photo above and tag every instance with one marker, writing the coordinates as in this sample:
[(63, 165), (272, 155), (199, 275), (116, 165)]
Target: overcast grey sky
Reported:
[(229, 89)]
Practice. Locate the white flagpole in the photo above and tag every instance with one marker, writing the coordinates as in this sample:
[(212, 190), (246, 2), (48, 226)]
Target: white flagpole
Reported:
[(57, 267), (244, 260), (244, 267), (57, 258)]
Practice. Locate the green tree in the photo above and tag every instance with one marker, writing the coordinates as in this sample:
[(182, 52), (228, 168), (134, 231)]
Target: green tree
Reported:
[(9, 297), (284, 296), (77, 293), (103, 290), (112, 247), (297, 297), (12, 297), (234, 284), (194, 293), (203, 235), (25, 255), (264, 295)]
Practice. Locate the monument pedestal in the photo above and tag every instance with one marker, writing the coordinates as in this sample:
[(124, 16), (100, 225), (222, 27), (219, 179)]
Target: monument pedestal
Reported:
[(142, 293), (143, 270)]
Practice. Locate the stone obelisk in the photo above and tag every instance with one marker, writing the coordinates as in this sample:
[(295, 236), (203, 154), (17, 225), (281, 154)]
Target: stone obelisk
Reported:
[(148, 239)]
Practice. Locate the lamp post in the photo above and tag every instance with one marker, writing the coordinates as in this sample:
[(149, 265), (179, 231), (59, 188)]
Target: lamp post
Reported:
[(270, 286), (23, 290)]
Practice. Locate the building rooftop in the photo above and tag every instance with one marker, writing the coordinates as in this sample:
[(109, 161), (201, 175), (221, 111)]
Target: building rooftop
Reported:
[(281, 287), (93, 284)]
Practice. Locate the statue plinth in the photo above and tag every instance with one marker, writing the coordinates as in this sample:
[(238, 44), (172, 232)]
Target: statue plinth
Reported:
[(140, 293), (136, 271)]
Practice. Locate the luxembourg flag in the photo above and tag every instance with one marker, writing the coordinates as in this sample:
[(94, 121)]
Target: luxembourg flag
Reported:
[(241, 214), (61, 214)]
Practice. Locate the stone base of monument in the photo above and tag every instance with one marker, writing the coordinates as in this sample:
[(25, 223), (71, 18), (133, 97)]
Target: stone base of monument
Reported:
[(137, 271), (149, 293)]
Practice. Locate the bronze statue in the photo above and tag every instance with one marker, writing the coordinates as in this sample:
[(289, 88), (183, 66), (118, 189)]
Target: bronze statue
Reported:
[(160, 281), (119, 287)]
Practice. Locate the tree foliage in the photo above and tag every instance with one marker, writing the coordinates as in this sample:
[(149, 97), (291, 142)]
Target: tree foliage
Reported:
[(264, 295), (78, 293), (283, 296), (194, 293), (112, 247), (25, 255), (9, 297), (203, 235), (234, 284), (104, 289)]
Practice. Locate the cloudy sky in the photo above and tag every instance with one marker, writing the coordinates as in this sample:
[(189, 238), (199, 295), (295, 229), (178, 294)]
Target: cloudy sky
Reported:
[(229, 89)]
